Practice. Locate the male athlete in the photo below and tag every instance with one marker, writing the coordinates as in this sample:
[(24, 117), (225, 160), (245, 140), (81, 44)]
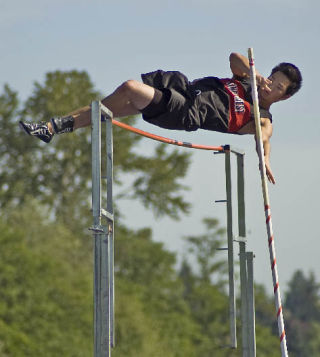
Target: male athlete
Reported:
[(169, 100)]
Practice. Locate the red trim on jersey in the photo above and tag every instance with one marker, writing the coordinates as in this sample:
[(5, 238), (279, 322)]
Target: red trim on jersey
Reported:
[(239, 109)]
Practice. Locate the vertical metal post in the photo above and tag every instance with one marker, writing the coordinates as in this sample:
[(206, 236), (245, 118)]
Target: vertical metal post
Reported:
[(244, 299), (251, 307), (241, 203), (97, 228), (110, 221), (101, 234), (242, 256), (105, 347), (232, 299), (96, 162)]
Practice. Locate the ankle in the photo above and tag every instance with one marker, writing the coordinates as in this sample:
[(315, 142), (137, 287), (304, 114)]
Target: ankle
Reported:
[(50, 128), (61, 125)]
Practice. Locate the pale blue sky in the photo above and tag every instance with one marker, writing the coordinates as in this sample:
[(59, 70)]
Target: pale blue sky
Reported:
[(115, 41)]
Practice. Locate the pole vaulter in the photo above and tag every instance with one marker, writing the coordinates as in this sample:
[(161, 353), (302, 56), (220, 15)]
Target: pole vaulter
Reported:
[(272, 252)]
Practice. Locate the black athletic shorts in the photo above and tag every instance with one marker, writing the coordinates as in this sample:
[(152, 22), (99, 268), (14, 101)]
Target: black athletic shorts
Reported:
[(178, 109)]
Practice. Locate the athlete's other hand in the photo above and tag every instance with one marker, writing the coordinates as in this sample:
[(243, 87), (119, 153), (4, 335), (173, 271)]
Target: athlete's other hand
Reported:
[(269, 173), (264, 83)]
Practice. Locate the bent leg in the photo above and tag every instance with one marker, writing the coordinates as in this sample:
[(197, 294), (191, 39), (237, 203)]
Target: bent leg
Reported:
[(128, 99)]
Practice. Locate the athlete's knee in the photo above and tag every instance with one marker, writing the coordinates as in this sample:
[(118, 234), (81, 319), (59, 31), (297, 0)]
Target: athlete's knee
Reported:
[(130, 86), (137, 93)]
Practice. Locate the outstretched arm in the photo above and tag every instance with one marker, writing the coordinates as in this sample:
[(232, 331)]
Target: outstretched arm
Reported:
[(240, 67), (266, 130)]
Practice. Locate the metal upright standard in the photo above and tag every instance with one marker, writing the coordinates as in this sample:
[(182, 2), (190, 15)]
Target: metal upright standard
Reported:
[(104, 239), (242, 257), (246, 272), (267, 209), (232, 296), (103, 236), (246, 279), (251, 306)]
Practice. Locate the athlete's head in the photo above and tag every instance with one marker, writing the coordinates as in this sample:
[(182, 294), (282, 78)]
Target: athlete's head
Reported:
[(293, 73)]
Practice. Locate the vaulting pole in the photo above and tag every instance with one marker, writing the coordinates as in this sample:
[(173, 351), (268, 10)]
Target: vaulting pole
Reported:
[(272, 252)]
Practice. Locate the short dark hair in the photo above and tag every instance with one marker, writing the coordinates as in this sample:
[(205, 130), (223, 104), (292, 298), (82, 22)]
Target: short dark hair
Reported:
[(294, 75)]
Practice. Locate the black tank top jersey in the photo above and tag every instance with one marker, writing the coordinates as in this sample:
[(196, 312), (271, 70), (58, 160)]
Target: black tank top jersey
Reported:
[(226, 104), (212, 103)]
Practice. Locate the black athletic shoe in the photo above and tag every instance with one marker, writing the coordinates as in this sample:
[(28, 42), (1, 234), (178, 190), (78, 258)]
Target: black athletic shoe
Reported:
[(39, 130)]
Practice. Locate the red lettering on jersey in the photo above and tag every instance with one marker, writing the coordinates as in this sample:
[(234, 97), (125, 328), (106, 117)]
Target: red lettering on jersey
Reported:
[(239, 109)]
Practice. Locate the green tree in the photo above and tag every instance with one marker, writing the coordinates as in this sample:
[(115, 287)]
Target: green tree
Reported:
[(265, 311), (17, 176), (45, 295), (267, 340), (136, 332), (303, 315), (203, 290), (205, 250), (302, 298), (150, 271)]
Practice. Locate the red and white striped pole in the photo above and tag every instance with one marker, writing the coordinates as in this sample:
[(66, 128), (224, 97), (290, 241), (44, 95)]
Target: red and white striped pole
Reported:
[(272, 252)]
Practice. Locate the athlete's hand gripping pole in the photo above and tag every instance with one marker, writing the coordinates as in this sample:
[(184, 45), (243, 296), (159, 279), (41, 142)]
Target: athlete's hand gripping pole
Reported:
[(262, 166)]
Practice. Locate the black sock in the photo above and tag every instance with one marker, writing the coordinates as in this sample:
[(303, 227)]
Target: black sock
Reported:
[(62, 125)]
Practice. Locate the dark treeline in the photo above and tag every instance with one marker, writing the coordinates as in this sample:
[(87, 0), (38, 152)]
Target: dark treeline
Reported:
[(46, 303)]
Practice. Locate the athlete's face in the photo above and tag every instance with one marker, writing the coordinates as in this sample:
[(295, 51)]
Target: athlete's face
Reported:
[(278, 87)]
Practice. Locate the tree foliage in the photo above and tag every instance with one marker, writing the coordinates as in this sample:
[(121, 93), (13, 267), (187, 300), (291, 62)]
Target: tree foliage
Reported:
[(205, 249), (45, 307), (303, 307)]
